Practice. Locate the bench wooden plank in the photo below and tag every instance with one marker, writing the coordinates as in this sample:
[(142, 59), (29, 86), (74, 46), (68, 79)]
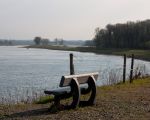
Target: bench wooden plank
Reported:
[(82, 78)]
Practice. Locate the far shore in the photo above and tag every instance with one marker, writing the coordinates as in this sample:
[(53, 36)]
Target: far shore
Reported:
[(139, 53)]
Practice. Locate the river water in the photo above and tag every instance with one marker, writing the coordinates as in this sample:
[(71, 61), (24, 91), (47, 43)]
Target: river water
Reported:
[(27, 72)]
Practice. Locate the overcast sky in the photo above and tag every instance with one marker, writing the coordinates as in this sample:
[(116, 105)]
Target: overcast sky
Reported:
[(67, 19)]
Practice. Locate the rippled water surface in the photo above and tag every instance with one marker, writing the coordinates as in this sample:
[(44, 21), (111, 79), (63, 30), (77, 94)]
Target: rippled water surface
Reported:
[(24, 71)]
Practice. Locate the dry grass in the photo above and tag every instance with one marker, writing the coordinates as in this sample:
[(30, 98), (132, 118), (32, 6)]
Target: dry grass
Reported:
[(115, 102)]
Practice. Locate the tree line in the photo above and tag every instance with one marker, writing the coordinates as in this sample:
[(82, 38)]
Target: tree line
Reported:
[(134, 35), (39, 41), (43, 41), (5, 42)]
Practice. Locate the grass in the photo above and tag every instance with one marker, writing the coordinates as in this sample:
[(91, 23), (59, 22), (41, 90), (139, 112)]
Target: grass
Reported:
[(44, 100), (139, 54), (116, 102)]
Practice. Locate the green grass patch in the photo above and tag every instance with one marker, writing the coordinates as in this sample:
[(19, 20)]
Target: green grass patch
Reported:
[(127, 84), (44, 100)]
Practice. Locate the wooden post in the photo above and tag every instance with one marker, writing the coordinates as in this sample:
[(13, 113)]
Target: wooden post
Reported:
[(71, 65), (131, 71), (124, 69)]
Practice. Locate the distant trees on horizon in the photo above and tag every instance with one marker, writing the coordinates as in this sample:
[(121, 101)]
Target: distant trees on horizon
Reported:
[(134, 35), (5, 42), (58, 41), (39, 40), (43, 41)]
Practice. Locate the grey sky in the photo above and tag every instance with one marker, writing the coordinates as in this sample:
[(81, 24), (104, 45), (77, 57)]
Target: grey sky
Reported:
[(67, 19)]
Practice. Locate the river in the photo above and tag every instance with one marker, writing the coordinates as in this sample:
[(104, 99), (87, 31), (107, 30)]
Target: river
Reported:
[(27, 72)]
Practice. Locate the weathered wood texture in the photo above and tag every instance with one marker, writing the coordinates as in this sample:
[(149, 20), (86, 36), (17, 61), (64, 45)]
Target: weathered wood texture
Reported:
[(81, 78), (71, 65), (124, 69), (131, 71)]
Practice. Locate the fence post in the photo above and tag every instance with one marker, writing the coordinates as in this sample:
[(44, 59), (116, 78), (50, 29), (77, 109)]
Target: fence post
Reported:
[(131, 71), (124, 69), (71, 65)]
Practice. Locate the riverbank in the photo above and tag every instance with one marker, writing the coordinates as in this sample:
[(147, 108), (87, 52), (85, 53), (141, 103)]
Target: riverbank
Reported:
[(139, 54), (115, 102)]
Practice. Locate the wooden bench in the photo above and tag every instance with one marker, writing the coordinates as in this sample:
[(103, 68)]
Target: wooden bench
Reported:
[(73, 86)]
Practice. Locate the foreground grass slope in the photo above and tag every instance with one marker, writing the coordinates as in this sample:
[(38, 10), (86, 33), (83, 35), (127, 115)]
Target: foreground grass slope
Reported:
[(122, 101), (139, 54)]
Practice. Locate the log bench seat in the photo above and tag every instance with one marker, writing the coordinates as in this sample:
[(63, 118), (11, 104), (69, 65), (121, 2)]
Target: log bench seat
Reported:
[(64, 90)]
